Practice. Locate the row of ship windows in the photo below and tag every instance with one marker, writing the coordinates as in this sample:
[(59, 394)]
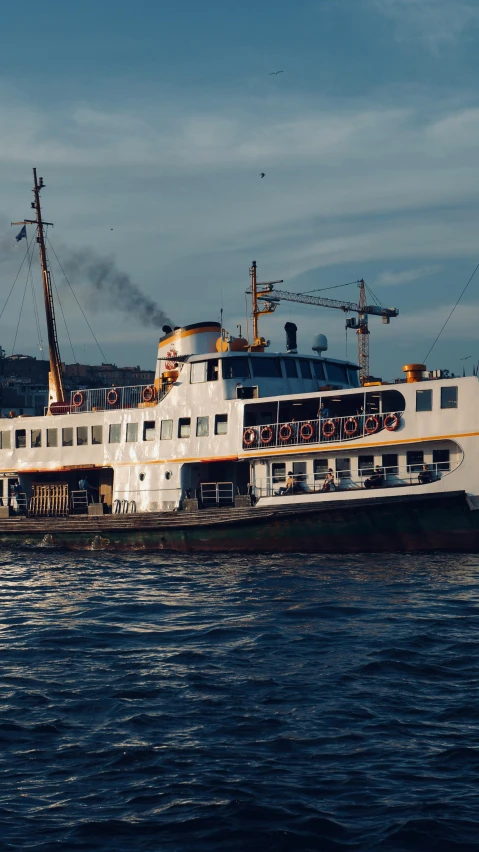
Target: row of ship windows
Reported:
[(95, 433), (366, 465), (448, 398), (272, 368)]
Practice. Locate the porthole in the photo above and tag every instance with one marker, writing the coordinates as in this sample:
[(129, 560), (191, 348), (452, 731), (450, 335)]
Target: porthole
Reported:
[(168, 474), (142, 476)]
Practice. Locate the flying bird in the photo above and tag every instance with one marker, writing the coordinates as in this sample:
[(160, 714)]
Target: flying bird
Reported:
[(262, 174), (272, 73)]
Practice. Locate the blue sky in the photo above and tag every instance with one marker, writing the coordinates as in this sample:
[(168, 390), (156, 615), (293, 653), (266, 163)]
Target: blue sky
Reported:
[(155, 119)]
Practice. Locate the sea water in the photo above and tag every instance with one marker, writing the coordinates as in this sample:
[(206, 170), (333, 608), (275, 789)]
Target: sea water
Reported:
[(166, 702)]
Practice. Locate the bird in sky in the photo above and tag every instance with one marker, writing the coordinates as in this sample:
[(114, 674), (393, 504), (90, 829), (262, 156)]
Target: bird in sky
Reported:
[(262, 174), (272, 73)]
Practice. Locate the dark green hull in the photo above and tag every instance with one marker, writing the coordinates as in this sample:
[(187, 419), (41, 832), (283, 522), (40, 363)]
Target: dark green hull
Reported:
[(410, 524)]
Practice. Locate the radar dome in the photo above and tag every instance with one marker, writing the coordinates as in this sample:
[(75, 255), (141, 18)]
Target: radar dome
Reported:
[(320, 343)]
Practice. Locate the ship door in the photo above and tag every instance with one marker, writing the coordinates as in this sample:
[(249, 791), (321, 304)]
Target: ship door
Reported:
[(105, 487)]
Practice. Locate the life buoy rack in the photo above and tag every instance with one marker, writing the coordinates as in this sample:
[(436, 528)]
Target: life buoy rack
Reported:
[(171, 365), (266, 435), (391, 422), (78, 399), (329, 429), (285, 432), (149, 393), (350, 426), (371, 424), (306, 431), (112, 396), (249, 437)]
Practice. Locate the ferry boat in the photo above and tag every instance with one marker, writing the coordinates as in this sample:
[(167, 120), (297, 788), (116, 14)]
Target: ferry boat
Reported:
[(235, 448)]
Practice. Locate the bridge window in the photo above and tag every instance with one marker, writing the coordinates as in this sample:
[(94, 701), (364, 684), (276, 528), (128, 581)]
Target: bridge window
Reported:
[(424, 400), (149, 430), (305, 369), (440, 459), (166, 431), (353, 375), (131, 432), (67, 437), (449, 397), (415, 460), (278, 472), (5, 443), (36, 438), (202, 427), (204, 371), (320, 468), (52, 437), (184, 427), (365, 465), (318, 368), (97, 434), (390, 463), (236, 368), (20, 439), (337, 372), (221, 424), (268, 368), (290, 368), (115, 433), (82, 436)]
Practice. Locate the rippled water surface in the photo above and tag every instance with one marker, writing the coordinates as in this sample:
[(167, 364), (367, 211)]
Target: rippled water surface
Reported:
[(230, 703)]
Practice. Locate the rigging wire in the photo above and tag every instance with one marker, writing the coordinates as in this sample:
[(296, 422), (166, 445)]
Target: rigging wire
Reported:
[(78, 303), (450, 315), (37, 317), (378, 301), (63, 315), (321, 289), (24, 293), (16, 278)]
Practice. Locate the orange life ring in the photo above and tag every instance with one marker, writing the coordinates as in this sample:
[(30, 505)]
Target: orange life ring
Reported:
[(391, 422), (171, 365), (269, 435), (149, 393), (370, 430), (112, 396), (78, 399), (306, 431), (331, 430), (285, 432), (249, 437), (350, 426)]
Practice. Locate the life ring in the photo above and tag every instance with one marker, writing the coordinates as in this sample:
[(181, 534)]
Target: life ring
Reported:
[(171, 365), (78, 399), (249, 437), (266, 435), (329, 429), (306, 431), (391, 422), (149, 393), (350, 426), (285, 432), (112, 396), (371, 424)]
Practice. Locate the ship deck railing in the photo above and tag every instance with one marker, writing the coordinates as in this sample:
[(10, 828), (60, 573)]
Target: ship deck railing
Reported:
[(345, 480), (112, 399), (322, 430)]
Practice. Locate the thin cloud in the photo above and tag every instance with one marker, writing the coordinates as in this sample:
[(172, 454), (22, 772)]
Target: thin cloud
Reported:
[(435, 23), (406, 276)]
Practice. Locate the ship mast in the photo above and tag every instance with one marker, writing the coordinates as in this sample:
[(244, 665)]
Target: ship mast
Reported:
[(56, 391)]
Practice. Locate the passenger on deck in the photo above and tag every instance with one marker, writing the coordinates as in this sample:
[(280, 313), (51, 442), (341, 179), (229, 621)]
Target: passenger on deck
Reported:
[(376, 480), (84, 485), (289, 485), (323, 412), (329, 483), (301, 485), (425, 475)]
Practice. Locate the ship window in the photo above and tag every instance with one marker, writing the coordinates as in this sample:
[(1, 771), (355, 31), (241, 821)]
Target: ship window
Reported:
[(424, 400), (365, 465), (305, 369), (36, 438), (278, 472), (82, 436), (67, 437), (5, 443), (337, 372), (415, 460), (202, 427), (115, 433), (52, 437), (166, 432), (131, 432), (353, 377), (221, 424), (318, 368), (449, 397), (391, 401), (320, 468), (267, 368), (390, 463), (20, 438), (149, 430), (343, 468), (97, 434), (290, 368), (236, 368), (198, 372), (440, 459), (184, 427)]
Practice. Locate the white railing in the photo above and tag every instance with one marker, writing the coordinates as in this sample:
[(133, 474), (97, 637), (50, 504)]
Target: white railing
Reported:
[(217, 493), (322, 430), (367, 478)]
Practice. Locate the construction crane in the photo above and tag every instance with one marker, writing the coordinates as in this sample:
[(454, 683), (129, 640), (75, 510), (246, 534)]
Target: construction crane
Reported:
[(271, 298)]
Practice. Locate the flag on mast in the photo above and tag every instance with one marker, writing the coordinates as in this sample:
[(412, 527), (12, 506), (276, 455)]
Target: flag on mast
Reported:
[(21, 234)]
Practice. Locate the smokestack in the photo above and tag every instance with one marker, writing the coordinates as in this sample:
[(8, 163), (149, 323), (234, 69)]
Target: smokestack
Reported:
[(291, 344)]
